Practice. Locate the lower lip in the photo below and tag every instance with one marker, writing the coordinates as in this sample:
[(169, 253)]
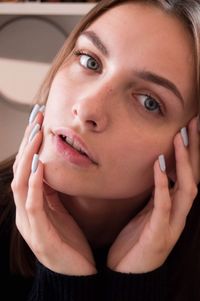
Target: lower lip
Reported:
[(69, 154)]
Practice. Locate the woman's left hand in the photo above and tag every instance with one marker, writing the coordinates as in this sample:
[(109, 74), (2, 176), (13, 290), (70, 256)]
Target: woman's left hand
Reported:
[(144, 244)]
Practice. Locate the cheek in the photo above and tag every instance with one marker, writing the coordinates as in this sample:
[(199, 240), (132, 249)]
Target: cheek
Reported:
[(72, 74), (139, 156), (59, 104), (131, 167)]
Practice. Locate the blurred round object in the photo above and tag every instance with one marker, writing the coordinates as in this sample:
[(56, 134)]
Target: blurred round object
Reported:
[(28, 46)]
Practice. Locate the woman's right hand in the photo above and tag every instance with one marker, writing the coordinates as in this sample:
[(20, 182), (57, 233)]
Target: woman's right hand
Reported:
[(46, 226)]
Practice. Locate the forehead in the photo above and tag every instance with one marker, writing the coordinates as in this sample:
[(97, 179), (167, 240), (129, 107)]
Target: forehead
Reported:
[(146, 37), (131, 20)]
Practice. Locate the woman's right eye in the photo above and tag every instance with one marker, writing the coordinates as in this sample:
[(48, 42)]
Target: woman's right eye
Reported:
[(88, 61)]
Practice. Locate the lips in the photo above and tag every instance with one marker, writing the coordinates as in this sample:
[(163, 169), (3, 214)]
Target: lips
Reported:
[(75, 141), (73, 144)]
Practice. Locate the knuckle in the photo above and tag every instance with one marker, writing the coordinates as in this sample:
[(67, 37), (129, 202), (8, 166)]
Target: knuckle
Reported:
[(31, 208), (163, 186), (166, 205), (32, 183), (12, 185), (192, 190), (16, 185)]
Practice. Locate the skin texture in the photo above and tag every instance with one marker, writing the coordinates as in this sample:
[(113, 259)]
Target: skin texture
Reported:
[(106, 107), (111, 99), (114, 98)]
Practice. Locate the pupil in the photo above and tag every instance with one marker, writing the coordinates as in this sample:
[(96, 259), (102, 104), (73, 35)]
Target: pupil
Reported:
[(151, 104), (92, 64)]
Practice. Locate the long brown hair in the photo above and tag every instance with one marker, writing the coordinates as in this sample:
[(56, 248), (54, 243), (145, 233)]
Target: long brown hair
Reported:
[(187, 11)]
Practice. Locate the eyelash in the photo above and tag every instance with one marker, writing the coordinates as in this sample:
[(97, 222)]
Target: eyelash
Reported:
[(161, 108), (79, 53)]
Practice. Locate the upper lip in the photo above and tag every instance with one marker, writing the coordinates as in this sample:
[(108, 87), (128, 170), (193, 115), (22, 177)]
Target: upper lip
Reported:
[(77, 139)]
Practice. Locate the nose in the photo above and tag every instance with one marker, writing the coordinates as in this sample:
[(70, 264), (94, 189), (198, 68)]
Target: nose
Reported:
[(92, 108)]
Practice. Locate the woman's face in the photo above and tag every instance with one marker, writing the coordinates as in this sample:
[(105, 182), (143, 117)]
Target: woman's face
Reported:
[(127, 89)]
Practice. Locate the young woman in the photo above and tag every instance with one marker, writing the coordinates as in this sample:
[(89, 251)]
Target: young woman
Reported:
[(101, 201)]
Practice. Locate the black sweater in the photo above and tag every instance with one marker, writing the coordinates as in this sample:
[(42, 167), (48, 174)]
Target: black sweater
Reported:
[(176, 280), (106, 285)]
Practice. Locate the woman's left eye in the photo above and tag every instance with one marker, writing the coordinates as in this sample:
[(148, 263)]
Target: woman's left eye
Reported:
[(87, 61), (149, 103)]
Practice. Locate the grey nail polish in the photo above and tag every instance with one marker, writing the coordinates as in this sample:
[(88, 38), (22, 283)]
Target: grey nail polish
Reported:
[(34, 113), (162, 163), (42, 108), (184, 136), (35, 162), (34, 131)]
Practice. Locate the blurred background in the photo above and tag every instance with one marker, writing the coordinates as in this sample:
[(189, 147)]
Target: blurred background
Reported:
[(31, 33)]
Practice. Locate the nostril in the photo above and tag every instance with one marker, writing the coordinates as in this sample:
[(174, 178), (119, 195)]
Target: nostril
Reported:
[(75, 112), (92, 122)]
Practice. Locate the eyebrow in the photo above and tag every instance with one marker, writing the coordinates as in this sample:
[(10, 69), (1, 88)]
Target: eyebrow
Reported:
[(161, 81), (144, 75), (92, 36)]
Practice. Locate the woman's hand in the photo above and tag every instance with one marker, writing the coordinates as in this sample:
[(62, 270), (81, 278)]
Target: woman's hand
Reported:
[(144, 244), (46, 226)]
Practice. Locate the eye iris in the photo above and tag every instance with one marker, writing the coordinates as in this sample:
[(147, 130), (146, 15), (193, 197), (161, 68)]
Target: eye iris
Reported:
[(151, 104), (92, 64)]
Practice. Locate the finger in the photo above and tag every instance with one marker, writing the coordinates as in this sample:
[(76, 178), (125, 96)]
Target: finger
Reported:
[(37, 216), (185, 188), (52, 199), (32, 116), (20, 181), (21, 220), (21, 147), (194, 147), (162, 200), (29, 128)]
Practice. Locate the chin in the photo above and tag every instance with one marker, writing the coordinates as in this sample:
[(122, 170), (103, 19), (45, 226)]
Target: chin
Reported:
[(52, 173), (53, 178), (60, 179)]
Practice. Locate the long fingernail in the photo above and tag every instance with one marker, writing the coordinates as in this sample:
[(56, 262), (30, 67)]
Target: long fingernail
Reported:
[(34, 131), (34, 112), (35, 162), (42, 108), (184, 136), (162, 163)]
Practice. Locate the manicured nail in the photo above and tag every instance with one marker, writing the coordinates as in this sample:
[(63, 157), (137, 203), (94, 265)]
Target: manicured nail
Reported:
[(162, 163), (35, 162), (34, 113), (42, 108), (184, 136), (34, 131)]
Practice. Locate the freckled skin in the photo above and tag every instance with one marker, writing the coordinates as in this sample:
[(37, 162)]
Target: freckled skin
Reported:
[(128, 138)]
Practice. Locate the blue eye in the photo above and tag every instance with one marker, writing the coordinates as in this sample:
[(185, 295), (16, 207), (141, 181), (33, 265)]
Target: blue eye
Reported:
[(88, 61), (149, 103)]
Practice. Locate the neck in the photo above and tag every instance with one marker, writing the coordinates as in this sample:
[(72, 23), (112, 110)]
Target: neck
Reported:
[(101, 220)]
